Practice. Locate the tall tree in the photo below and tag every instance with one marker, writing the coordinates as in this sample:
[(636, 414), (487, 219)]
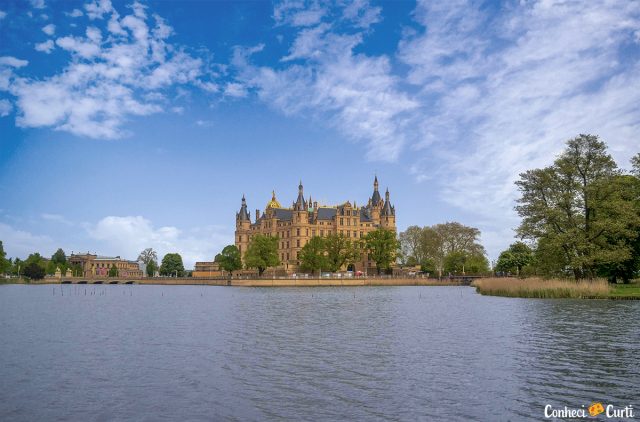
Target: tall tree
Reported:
[(313, 255), (5, 264), (59, 257), (113, 271), (563, 204), (635, 165), (229, 259), (411, 244), (339, 250), (148, 255), (172, 265), (151, 268), (262, 253), (382, 246)]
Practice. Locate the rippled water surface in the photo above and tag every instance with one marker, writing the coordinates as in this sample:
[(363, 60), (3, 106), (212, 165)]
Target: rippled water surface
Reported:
[(364, 353)]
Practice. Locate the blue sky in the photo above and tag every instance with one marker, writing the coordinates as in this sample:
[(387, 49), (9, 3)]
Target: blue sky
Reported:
[(127, 125)]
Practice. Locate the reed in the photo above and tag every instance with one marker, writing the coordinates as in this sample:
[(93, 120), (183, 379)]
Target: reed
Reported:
[(544, 289)]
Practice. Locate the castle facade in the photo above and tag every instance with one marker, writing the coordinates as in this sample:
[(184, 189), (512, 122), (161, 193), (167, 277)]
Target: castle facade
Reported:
[(296, 225)]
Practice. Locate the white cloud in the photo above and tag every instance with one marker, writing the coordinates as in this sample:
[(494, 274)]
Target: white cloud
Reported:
[(20, 243), (75, 13), (38, 4), (5, 108), (3, 14), (506, 91), (322, 77), (10, 61), (127, 236), (49, 29), (235, 90), (45, 47), (111, 77), (298, 13)]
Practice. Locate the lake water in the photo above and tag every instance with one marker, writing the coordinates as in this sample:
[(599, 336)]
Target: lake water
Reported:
[(364, 353)]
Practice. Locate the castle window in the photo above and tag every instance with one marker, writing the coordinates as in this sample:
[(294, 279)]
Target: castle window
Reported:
[(321, 232), (287, 244), (313, 232), (341, 221), (307, 232), (348, 233), (297, 232), (355, 234), (298, 243), (287, 256), (348, 221)]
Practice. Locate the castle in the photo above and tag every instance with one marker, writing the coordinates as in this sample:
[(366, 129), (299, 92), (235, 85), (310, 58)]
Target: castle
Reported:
[(296, 225)]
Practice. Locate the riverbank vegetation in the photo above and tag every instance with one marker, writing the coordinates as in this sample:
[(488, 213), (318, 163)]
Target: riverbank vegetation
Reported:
[(442, 249), (580, 217), (535, 287)]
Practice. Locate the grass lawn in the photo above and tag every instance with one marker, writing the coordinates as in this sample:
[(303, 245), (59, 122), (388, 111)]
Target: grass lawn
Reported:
[(625, 290)]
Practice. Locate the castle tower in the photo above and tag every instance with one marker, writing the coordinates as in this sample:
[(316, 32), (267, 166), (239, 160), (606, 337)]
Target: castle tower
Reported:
[(388, 214), (376, 203), (243, 227)]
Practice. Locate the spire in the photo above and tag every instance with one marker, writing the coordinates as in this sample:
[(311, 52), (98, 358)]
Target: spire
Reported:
[(375, 198), (300, 204), (387, 209), (243, 214)]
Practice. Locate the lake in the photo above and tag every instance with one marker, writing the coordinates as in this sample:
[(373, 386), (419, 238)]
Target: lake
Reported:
[(152, 353)]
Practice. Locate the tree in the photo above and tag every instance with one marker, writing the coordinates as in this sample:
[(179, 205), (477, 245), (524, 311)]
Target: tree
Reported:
[(5, 264), (262, 253), (148, 255), (412, 245), (313, 255), (635, 165), (59, 257), (229, 259), (514, 258), (575, 205), (151, 269), (172, 265), (339, 251), (382, 246), (433, 244), (113, 271), (33, 271), (460, 262)]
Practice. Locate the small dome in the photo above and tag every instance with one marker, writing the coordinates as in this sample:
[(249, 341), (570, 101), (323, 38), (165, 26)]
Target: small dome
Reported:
[(274, 202)]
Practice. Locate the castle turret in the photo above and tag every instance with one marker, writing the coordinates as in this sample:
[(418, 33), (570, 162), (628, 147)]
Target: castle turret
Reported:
[(243, 227), (388, 213)]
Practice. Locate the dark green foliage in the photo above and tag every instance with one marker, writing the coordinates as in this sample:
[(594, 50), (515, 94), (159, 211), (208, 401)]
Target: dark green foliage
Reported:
[(172, 265), (581, 212), (229, 259), (33, 271), (382, 247), (113, 271), (514, 259), (5, 264), (152, 267), (313, 256), (262, 253)]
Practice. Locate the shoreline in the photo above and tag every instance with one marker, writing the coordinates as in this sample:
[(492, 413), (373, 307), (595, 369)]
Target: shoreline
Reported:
[(240, 282)]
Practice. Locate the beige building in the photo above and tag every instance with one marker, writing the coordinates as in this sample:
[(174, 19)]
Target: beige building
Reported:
[(296, 225), (99, 266)]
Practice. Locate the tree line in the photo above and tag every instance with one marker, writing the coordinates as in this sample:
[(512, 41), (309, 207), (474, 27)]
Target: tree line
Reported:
[(580, 217), (330, 253), (36, 267), (442, 249)]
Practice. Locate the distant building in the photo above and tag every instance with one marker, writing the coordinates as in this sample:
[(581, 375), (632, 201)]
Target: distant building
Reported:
[(207, 269), (296, 225), (99, 266)]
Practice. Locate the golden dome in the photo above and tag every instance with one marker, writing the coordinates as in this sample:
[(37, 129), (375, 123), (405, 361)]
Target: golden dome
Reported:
[(274, 202)]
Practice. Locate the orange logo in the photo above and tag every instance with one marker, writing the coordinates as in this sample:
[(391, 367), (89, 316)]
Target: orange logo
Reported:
[(595, 409)]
